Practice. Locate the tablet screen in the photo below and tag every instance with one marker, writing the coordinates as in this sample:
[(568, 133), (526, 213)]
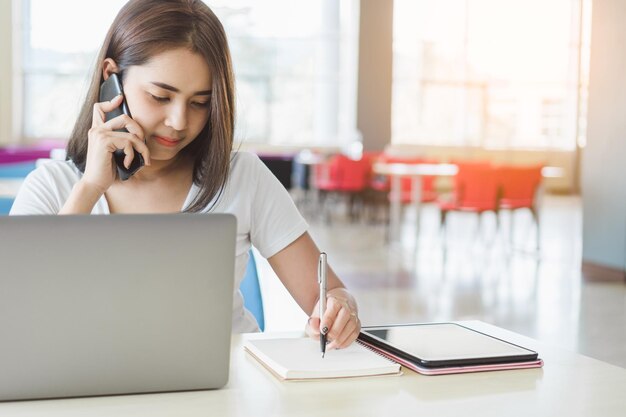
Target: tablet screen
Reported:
[(446, 343)]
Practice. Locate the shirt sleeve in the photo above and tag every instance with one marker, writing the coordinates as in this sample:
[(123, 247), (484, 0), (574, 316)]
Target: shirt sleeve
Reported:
[(275, 220), (41, 192)]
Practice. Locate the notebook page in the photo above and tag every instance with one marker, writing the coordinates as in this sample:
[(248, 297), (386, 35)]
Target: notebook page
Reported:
[(300, 358)]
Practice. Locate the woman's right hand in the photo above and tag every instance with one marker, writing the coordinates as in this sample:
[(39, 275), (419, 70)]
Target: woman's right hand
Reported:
[(100, 169)]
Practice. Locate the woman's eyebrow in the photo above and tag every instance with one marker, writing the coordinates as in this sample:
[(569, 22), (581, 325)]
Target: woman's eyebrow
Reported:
[(176, 90)]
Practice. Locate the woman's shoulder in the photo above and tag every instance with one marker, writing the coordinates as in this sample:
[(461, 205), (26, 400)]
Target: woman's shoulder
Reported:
[(58, 171), (244, 163), (247, 172), (244, 158), (46, 188)]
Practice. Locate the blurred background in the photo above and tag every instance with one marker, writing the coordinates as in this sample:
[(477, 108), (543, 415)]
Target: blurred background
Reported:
[(457, 159)]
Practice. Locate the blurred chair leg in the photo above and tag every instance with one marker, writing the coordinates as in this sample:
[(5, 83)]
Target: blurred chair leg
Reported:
[(382, 205), (417, 223), (443, 215), (362, 204), (496, 233), (478, 232), (323, 196), (535, 215), (352, 203), (511, 226), (358, 204)]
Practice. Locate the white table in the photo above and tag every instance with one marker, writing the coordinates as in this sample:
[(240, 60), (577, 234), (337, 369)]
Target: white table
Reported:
[(568, 385), (397, 171)]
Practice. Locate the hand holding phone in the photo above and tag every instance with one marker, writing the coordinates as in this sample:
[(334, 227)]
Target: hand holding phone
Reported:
[(111, 88)]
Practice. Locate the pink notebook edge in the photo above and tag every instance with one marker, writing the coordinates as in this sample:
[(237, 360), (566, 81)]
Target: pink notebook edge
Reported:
[(455, 369)]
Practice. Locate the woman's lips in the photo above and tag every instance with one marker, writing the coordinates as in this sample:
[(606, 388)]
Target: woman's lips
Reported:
[(169, 142)]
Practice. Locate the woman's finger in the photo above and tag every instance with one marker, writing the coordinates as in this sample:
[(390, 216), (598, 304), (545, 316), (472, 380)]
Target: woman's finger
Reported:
[(99, 109), (120, 140), (349, 333), (348, 338), (339, 325), (129, 151), (124, 121)]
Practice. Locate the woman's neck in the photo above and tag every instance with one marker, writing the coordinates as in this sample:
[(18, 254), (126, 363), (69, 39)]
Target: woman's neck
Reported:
[(159, 169)]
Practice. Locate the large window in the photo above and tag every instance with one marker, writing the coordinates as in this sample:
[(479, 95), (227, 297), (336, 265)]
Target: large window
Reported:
[(295, 63), (59, 44), (490, 73)]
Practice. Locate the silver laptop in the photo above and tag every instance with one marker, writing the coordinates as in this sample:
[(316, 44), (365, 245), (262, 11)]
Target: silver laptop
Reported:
[(100, 305)]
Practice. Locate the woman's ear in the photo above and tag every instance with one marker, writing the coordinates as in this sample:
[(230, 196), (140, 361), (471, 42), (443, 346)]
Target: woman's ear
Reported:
[(109, 67)]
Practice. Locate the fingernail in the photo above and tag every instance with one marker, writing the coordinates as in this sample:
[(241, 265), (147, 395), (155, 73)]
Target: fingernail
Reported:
[(325, 330)]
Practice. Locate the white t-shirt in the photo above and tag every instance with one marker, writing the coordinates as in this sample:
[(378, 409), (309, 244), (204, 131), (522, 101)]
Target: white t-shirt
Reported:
[(266, 215)]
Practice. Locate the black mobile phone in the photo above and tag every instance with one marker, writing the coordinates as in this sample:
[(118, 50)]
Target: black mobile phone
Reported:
[(111, 88)]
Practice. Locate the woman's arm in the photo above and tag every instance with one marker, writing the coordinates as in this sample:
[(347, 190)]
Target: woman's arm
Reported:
[(296, 266)]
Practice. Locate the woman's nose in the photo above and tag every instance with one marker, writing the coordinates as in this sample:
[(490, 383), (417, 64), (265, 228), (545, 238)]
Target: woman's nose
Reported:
[(177, 117)]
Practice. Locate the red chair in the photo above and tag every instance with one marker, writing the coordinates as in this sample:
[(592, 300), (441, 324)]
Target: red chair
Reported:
[(344, 176), (518, 190), (326, 175), (476, 189)]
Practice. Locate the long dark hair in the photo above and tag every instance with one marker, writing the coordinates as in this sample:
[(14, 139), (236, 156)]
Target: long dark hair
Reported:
[(144, 28)]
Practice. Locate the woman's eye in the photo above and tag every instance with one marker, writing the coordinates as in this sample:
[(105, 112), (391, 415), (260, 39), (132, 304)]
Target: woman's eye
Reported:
[(200, 104), (160, 99)]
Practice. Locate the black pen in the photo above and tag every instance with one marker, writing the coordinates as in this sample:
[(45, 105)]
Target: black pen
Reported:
[(321, 279)]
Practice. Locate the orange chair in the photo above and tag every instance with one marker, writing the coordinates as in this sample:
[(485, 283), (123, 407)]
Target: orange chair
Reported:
[(476, 190), (342, 175), (518, 190)]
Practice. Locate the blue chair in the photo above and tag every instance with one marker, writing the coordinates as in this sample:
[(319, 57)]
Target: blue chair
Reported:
[(5, 205), (251, 291), (16, 169), (13, 170)]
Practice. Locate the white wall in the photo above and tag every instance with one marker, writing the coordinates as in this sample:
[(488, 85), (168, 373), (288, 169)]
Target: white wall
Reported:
[(6, 77), (604, 158)]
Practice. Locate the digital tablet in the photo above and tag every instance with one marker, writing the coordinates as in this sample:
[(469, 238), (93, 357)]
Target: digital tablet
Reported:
[(435, 345)]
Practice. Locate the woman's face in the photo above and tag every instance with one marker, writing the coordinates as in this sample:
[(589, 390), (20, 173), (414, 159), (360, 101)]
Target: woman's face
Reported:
[(169, 97)]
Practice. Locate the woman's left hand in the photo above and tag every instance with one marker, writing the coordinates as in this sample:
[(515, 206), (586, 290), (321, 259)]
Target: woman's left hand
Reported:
[(341, 319)]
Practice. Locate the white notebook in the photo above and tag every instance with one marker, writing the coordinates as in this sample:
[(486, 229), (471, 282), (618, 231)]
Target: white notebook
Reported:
[(300, 358)]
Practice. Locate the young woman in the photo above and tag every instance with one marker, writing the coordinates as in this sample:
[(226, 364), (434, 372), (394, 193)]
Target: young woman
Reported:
[(174, 62)]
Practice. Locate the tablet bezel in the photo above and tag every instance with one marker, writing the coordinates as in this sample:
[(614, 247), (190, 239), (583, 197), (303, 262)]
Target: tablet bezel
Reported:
[(384, 345)]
